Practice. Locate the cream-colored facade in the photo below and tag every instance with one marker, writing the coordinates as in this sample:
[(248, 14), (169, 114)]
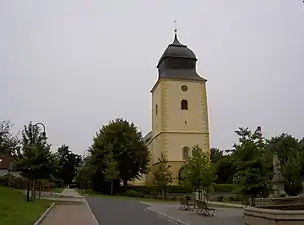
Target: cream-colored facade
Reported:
[(179, 114)]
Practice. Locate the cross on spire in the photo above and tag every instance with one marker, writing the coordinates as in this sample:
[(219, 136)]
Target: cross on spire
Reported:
[(175, 27)]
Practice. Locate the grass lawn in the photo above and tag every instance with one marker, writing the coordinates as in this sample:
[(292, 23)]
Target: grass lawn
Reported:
[(92, 193), (57, 190), (14, 210)]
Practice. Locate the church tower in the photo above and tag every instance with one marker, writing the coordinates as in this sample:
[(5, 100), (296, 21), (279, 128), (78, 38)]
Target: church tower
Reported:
[(179, 108)]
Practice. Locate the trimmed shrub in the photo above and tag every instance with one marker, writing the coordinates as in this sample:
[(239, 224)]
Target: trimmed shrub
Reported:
[(131, 193), (150, 190), (228, 188)]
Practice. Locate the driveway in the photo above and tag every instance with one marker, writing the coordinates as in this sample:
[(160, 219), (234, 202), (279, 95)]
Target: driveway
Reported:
[(114, 211)]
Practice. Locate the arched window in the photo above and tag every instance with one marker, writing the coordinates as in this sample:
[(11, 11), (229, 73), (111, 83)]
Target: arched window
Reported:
[(184, 104), (186, 151)]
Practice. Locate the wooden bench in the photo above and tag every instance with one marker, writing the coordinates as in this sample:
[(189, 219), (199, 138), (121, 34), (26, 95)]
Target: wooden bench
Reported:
[(185, 203), (202, 208)]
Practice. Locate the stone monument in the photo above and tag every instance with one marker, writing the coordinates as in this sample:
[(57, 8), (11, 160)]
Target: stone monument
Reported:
[(278, 179)]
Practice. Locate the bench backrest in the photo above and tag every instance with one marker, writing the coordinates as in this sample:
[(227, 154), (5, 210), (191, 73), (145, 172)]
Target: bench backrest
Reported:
[(201, 204)]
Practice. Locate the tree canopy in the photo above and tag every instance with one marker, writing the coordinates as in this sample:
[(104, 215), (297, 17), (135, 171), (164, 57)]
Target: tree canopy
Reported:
[(127, 146), (197, 171), (68, 163), (35, 160), (252, 175), (9, 143), (163, 174)]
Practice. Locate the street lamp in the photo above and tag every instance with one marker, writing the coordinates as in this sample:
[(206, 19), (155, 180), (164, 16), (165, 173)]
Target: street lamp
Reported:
[(43, 133)]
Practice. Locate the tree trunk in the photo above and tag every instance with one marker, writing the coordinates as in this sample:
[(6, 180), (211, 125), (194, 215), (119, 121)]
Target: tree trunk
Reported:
[(34, 189), (163, 193), (28, 190), (111, 187), (125, 183)]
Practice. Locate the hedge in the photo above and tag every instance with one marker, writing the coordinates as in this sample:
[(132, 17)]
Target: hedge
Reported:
[(220, 188), (147, 190), (217, 188)]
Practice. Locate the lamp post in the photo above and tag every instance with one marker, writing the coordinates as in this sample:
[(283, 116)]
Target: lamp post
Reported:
[(28, 185), (36, 125), (33, 181)]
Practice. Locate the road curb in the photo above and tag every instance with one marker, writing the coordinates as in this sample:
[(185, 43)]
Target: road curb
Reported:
[(45, 214), (87, 204), (169, 218)]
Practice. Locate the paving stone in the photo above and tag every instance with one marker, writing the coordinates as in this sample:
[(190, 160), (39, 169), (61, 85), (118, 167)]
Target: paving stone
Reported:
[(70, 213)]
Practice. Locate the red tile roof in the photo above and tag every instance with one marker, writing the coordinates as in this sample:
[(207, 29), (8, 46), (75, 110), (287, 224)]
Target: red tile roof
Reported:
[(6, 160)]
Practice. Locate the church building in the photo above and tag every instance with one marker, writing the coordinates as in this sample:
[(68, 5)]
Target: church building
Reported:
[(179, 111)]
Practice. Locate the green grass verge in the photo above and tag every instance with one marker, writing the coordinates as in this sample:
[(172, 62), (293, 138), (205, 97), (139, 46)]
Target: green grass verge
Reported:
[(121, 197), (14, 210), (57, 190)]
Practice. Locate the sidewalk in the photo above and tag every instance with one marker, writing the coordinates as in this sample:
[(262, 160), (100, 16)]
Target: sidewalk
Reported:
[(70, 214)]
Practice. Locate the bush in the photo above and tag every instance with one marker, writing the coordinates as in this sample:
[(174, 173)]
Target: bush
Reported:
[(220, 188), (150, 190), (179, 189), (131, 193)]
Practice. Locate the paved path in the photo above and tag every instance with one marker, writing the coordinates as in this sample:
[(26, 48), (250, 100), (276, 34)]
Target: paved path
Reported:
[(114, 211), (70, 192), (70, 214), (226, 216)]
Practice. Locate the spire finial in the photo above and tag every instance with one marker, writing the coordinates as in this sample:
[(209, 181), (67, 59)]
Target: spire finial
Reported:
[(176, 42), (175, 27)]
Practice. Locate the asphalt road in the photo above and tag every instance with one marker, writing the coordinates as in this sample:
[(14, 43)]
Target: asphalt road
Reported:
[(112, 211)]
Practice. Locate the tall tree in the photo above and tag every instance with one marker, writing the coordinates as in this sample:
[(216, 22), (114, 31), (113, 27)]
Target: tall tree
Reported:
[(163, 174), (198, 170), (85, 172), (129, 150), (284, 145), (290, 152), (35, 160), (110, 172), (9, 143), (252, 175), (68, 164), (225, 170), (215, 155)]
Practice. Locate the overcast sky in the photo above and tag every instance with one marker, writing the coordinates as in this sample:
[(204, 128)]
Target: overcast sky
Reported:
[(76, 64)]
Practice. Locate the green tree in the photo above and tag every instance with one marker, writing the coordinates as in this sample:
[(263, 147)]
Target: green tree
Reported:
[(129, 150), (163, 174), (284, 145), (68, 164), (35, 160), (292, 174), (252, 175), (197, 171), (85, 172), (224, 170), (9, 143), (290, 152), (110, 172), (215, 155)]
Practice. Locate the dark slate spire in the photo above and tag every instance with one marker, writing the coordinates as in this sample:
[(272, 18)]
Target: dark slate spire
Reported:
[(178, 61)]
